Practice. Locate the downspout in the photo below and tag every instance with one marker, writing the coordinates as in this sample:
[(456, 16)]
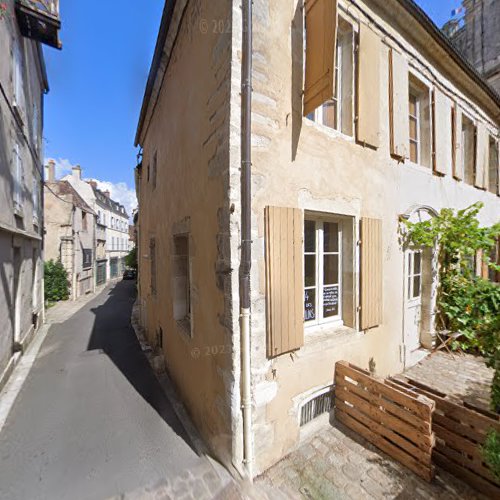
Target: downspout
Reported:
[(246, 233)]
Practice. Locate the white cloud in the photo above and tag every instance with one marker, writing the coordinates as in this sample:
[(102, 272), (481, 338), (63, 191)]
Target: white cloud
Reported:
[(121, 193)]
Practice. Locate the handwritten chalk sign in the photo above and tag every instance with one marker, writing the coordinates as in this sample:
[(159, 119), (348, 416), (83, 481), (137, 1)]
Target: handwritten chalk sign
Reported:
[(309, 305), (330, 301)]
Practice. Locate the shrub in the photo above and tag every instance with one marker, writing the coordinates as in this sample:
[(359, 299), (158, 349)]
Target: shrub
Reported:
[(131, 259), (56, 281), (491, 452)]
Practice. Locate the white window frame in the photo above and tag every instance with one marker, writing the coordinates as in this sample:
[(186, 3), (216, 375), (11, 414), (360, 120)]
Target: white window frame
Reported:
[(416, 117), (317, 115), (411, 274), (319, 286)]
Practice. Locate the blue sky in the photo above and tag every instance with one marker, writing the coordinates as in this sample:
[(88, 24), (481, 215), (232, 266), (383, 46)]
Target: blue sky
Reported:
[(97, 83)]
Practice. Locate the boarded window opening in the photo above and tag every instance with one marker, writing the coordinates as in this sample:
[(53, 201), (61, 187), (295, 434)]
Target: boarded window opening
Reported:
[(181, 280)]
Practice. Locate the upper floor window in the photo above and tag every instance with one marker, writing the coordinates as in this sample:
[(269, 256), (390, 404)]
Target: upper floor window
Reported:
[(18, 77), (419, 113), (84, 221), (468, 145), (182, 280), (112, 222), (493, 184), (337, 113)]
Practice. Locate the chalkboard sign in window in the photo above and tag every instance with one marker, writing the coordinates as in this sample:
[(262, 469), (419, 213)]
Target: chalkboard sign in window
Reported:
[(309, 305), (330, 301)]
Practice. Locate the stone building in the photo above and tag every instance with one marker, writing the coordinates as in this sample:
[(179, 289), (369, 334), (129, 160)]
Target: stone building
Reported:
[(23, 83), (70, 233), (362, 114), (476, 34), (112, 221)]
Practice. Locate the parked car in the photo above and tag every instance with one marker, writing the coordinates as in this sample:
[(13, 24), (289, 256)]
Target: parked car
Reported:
[(130, 274)]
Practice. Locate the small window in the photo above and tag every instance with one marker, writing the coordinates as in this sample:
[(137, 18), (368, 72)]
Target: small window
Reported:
[(468, 149), (152, 257), (322, 271), (182, 279), (36, 197), (414, 274), (18, 80), (84, 221), (493, 167), (87, 258), (419, 114), (18, 178), (338, 112)]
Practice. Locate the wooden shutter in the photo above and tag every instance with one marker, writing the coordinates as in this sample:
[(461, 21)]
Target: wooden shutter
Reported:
[(458, 163), (371, 273), (398, 105), (321, 37), (498, 182), (442, 132), (284, 229), (482, 157), (368, 112)]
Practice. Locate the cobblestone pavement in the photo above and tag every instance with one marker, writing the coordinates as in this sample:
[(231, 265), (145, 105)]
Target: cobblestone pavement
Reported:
[(461, 376), (338, 464)]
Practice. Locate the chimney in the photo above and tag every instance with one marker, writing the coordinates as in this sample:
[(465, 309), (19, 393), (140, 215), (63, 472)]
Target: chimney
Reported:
[(51, 168), (77, 172), (93, 183), (107, 193)]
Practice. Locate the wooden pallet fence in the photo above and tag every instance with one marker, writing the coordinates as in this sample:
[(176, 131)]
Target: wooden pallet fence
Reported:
[(460, 432), (395, 420)]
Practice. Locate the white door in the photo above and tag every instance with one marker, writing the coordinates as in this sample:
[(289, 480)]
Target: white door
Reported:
[(413, 301)]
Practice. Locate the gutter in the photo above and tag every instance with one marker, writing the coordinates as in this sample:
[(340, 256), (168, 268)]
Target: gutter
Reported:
[(445, 42), (246, 233)]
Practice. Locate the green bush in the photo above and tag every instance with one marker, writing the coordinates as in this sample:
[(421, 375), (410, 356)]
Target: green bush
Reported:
[(491, 452), (56, 281), (131, 259)]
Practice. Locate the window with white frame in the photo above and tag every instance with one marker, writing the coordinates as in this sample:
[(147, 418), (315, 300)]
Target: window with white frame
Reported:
[(18, 77), (414, 289), (338, 112), (322, 271), (419, 113)]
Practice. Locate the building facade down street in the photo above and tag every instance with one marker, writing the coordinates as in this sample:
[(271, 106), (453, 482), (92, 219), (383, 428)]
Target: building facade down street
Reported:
[(276, 170), (23, 83), (112, 220), (476, 34), (70, 234)]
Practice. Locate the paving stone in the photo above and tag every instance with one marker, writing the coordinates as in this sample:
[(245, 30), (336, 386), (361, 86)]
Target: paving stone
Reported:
[(355, 492), (374, 489)]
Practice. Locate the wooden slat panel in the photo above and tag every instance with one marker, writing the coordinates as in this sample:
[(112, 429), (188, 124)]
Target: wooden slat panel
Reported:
[(365, 403), (368, 112), (426, 472), (371, 273), (321, 38), (458, 167), (420, 406), (482, 157), (442, 133), (466, 475), (284, 280), (398, 105)]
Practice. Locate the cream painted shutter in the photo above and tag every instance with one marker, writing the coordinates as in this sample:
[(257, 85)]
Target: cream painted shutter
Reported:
[(371, 273), (398, 105), (442, 133), (321, 37), (368, 112), (482, 157), (284, 229), (458, 164)]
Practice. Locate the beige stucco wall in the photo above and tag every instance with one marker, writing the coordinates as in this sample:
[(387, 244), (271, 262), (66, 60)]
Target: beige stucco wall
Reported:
[(297, 163), (189, 131)]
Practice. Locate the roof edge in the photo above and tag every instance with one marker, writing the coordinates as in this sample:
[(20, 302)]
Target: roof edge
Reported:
[(166, 19)]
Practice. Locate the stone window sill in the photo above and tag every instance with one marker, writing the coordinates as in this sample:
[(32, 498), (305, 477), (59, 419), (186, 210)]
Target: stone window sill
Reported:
[(326, 336)]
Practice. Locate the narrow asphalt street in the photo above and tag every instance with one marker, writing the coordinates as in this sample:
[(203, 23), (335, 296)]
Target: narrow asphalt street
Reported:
[(91, 420)]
